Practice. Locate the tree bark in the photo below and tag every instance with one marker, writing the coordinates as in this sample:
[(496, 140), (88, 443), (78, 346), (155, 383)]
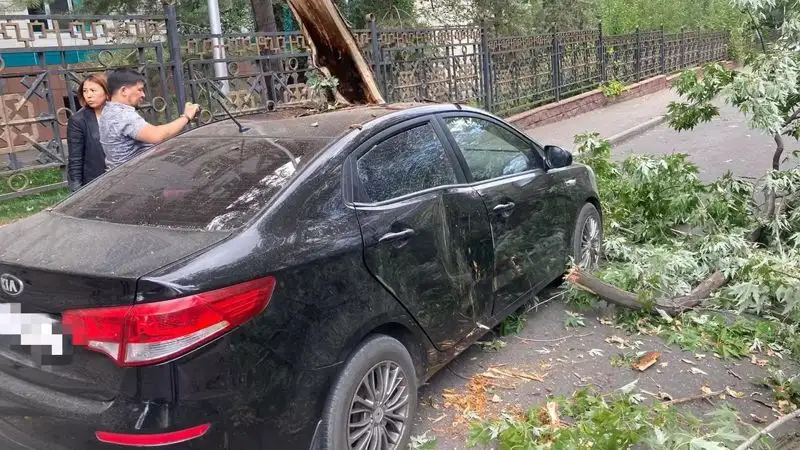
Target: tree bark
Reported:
[(334, 49), (264, 16), (776, 165), (617, 296)]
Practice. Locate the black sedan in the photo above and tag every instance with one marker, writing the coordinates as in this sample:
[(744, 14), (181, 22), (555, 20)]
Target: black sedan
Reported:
[(285, 287)]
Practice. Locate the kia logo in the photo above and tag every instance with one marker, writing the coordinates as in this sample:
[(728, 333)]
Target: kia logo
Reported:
[(10, 284)]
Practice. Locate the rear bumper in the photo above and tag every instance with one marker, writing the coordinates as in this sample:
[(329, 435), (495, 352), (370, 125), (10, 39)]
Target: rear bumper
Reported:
[(21, 429), (35, 418)]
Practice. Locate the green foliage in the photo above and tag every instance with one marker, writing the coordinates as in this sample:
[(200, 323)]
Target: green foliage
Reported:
[(422, 442), (610, 422), (512, 324), (386, 12), (767, 91), (666, 231), (714, 332), (623, 16), (574, 320), (613, 88), (493, 346), (785, 389), (192, 14)]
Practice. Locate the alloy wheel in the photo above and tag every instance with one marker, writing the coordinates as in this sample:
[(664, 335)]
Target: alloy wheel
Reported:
[(379, 409), (590, 244)]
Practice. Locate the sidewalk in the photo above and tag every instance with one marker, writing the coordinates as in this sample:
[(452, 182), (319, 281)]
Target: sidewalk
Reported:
[(617, 122)]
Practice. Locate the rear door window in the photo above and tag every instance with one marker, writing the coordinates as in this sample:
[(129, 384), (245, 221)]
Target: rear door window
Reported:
[(193, 183), (410, 161)]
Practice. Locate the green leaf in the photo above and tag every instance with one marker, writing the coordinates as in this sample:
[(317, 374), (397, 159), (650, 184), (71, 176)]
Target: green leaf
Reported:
[(702, 444)]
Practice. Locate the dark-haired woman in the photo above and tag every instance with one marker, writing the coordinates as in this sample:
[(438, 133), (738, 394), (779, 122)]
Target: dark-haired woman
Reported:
[(86, 157)]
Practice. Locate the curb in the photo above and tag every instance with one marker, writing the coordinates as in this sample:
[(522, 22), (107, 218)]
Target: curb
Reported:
[(636, 131)]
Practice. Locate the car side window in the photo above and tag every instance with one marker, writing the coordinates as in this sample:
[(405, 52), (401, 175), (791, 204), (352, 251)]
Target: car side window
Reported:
[(407, 162), (490, 150)]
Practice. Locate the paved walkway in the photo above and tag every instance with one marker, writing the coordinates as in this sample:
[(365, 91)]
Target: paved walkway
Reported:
[(727, 143), (607, 121)]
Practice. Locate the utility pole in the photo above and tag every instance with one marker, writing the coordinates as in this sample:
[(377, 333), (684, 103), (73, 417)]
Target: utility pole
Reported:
[(218, 52)]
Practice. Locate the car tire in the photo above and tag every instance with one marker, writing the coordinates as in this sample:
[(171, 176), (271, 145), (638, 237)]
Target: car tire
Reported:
[(378, 355), (587, 239)]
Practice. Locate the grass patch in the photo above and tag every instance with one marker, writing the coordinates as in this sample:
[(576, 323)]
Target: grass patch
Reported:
[(18, 208), (35, 178)]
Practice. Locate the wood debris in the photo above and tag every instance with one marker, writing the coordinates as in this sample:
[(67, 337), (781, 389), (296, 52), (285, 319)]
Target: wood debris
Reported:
[(758, 362), (646, 361), (733, 393), (619, 342), (500, 373), (549, 415)]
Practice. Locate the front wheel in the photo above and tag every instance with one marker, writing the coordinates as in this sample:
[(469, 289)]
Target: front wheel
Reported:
[(374, 399), (587, 240)]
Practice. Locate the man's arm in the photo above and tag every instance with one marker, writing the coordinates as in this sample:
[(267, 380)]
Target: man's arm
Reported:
[(155, 134)]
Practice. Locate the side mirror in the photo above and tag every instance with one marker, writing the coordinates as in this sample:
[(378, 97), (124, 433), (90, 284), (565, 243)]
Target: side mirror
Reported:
[(557, 157)]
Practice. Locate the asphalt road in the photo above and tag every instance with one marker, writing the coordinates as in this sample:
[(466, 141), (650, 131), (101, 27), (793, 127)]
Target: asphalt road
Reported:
[(726, 143)]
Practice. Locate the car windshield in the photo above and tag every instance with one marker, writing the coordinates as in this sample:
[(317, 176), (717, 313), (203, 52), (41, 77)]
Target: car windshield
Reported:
[(193, 183)]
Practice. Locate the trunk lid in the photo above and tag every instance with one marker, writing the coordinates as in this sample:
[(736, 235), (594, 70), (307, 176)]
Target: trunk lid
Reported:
[(50, 263)]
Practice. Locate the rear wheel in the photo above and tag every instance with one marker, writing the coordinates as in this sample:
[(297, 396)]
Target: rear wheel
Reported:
[(587, 239), (374, 399)]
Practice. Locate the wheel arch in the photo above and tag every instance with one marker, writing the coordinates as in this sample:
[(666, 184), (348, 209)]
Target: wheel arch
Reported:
[(596, 203), (408, 334)]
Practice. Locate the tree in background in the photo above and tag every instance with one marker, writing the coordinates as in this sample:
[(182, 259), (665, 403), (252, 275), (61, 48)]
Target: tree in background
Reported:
[(767, 91), (623, 16), (387, 12)]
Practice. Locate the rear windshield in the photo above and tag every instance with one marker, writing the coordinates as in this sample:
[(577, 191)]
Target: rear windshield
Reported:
[(193, 183)]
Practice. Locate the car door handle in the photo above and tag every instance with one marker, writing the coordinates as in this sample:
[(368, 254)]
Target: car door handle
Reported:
[(408, 232), (503, 207)]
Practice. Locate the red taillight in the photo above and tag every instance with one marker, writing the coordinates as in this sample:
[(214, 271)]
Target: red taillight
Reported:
[(155, 332), (152, 440)]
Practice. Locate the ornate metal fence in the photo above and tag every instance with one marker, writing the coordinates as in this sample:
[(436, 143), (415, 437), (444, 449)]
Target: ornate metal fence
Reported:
[(43, 59)]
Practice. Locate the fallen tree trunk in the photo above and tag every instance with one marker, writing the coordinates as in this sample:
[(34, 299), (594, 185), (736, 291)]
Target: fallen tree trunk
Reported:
[(620, 297), (334, 49)]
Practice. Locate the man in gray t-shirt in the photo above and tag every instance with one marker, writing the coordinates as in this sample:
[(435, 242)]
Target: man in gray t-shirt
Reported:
[(123, 132)]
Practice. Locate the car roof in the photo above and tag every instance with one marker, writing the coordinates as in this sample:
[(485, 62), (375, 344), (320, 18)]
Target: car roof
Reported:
[(304, 123)]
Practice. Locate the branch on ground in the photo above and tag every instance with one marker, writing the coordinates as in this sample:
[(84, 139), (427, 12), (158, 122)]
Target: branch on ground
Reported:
[(617, 296), (746, 445)]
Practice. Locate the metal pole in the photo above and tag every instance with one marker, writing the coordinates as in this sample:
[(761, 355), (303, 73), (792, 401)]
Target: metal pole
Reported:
[(601, 52), (556, 64), (174, 40), (377, 56), (683, 51), (220, 68), (486, 68), (638, 61), (663, 52)]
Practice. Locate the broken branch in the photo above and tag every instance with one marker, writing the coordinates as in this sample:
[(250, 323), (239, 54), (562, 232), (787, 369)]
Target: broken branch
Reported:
[(554, 340), (693, 398), (617, 296), (768, 428), (334, 49)]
